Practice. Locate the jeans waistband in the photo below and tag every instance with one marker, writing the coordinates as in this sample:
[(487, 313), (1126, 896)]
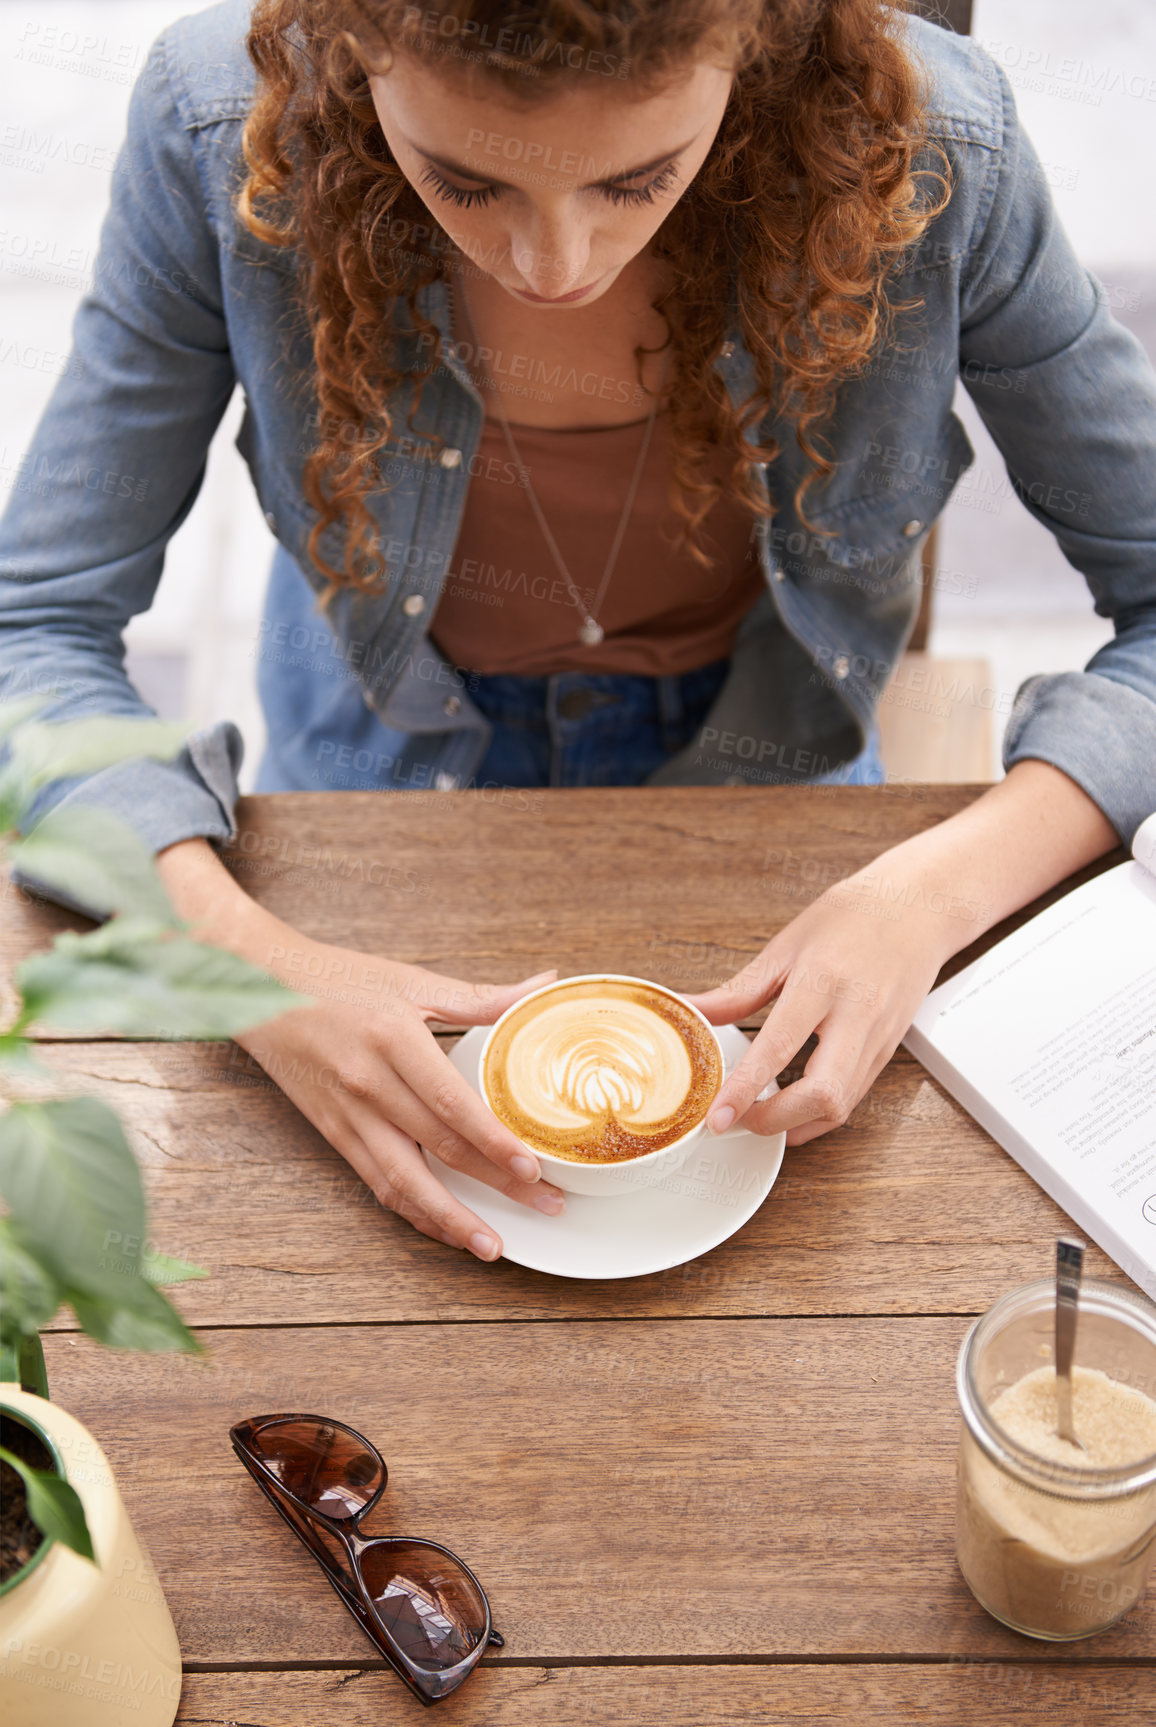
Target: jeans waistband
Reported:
[(591, 728)]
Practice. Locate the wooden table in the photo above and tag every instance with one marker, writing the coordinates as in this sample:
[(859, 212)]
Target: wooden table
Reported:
[(723, 1494)]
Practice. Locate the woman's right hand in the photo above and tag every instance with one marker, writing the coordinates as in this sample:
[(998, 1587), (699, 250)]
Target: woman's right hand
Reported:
[(366, 1070)]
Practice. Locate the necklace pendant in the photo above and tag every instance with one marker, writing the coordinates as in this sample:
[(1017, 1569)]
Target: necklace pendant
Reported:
[(591, 633)]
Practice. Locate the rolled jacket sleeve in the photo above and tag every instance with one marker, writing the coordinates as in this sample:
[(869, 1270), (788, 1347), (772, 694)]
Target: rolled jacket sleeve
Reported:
[(115, 466), (1069, 397)]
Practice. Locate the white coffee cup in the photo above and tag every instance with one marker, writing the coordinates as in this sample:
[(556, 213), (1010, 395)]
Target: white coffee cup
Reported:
[(606, 1179)]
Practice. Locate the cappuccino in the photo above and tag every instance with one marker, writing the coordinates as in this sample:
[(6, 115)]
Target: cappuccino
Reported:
[(601, 1070)]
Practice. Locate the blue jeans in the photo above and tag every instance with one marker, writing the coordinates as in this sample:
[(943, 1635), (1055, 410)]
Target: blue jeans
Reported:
[(607, 729)]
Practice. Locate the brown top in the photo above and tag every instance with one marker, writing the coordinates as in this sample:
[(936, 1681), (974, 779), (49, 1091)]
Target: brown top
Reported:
[(505, 606)]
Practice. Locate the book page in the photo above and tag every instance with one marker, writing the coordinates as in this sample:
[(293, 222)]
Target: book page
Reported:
[(1096, 1079), (1056, 1029), (1144, 844)]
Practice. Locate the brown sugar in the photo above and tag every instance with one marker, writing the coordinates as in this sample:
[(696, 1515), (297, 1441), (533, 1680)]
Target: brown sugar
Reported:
[(1115, 1424), (1052, 1560)]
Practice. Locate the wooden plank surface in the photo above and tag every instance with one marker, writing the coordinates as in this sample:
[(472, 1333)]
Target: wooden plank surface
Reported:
[(776, 1488), (909, 1208), (745, 1464), (681, 885), (1028, 1692)]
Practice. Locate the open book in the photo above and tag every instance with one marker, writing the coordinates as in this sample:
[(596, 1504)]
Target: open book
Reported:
[(1049, 1041)]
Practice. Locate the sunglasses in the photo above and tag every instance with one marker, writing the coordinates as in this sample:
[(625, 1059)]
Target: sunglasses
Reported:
[(417, 1603)]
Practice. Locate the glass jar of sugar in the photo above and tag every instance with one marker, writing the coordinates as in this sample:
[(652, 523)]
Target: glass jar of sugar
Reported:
[(1054, 1541)]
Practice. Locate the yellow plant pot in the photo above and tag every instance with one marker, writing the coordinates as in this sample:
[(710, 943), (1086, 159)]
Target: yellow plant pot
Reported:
[(82, 1646)]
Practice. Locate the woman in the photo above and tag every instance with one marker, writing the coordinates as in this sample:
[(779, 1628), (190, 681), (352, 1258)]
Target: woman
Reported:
[(629, 317)]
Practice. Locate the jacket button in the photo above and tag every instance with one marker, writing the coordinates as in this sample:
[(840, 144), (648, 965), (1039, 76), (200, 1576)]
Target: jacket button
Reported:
[(450, 458), (841, 667), (910, 529), (726, 352), (451, 706), (445, 782), (367, 698), (780, 575), (413, 605), (271, 521)]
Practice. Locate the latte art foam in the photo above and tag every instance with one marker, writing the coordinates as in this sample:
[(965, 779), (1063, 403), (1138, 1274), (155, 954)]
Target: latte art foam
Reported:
[(602, 1071)]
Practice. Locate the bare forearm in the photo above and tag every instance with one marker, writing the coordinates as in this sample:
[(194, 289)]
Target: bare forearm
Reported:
[(362, 1064), (1031, 830), (206, 895)]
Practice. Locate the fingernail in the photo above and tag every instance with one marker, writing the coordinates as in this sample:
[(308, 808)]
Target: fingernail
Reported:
[(525, 1168), (484, 1246), (551, 1203), (721, 1119)]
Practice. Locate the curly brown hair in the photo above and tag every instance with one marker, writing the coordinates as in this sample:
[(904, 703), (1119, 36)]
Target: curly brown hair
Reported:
[(808, 200)]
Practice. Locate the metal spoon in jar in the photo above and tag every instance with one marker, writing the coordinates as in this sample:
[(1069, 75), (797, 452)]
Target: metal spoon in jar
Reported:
[(1069, 1266)]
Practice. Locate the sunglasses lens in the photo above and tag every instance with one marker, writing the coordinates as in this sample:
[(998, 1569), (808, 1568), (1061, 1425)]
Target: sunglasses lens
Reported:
[(426, 1601), (326, 1468)]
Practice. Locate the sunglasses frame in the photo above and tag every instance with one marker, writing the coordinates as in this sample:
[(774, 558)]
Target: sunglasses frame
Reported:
[(428, 1687)]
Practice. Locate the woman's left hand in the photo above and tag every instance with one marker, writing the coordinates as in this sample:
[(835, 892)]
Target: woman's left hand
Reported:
[(856, 964), (853, 968)]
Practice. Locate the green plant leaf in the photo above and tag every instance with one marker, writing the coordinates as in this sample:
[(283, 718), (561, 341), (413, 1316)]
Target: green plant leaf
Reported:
[(41, 752), (18, 1057), (32, 1367), (149, 1322), (14, 790), (136, 981), (14, 798), (14, 713), (109, 940), (74, 1189), (94, 858), (54, 1506), (161, 1270), (44, 752), (29, 1293)]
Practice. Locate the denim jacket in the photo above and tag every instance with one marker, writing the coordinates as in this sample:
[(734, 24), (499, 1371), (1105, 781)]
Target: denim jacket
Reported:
[(186, 304)]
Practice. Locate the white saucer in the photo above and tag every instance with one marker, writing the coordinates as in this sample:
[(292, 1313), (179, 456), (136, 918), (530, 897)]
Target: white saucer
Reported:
[(722, 1184)]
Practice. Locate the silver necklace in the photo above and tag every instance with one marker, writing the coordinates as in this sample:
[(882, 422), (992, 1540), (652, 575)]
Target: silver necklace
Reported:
[(590, 632)]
